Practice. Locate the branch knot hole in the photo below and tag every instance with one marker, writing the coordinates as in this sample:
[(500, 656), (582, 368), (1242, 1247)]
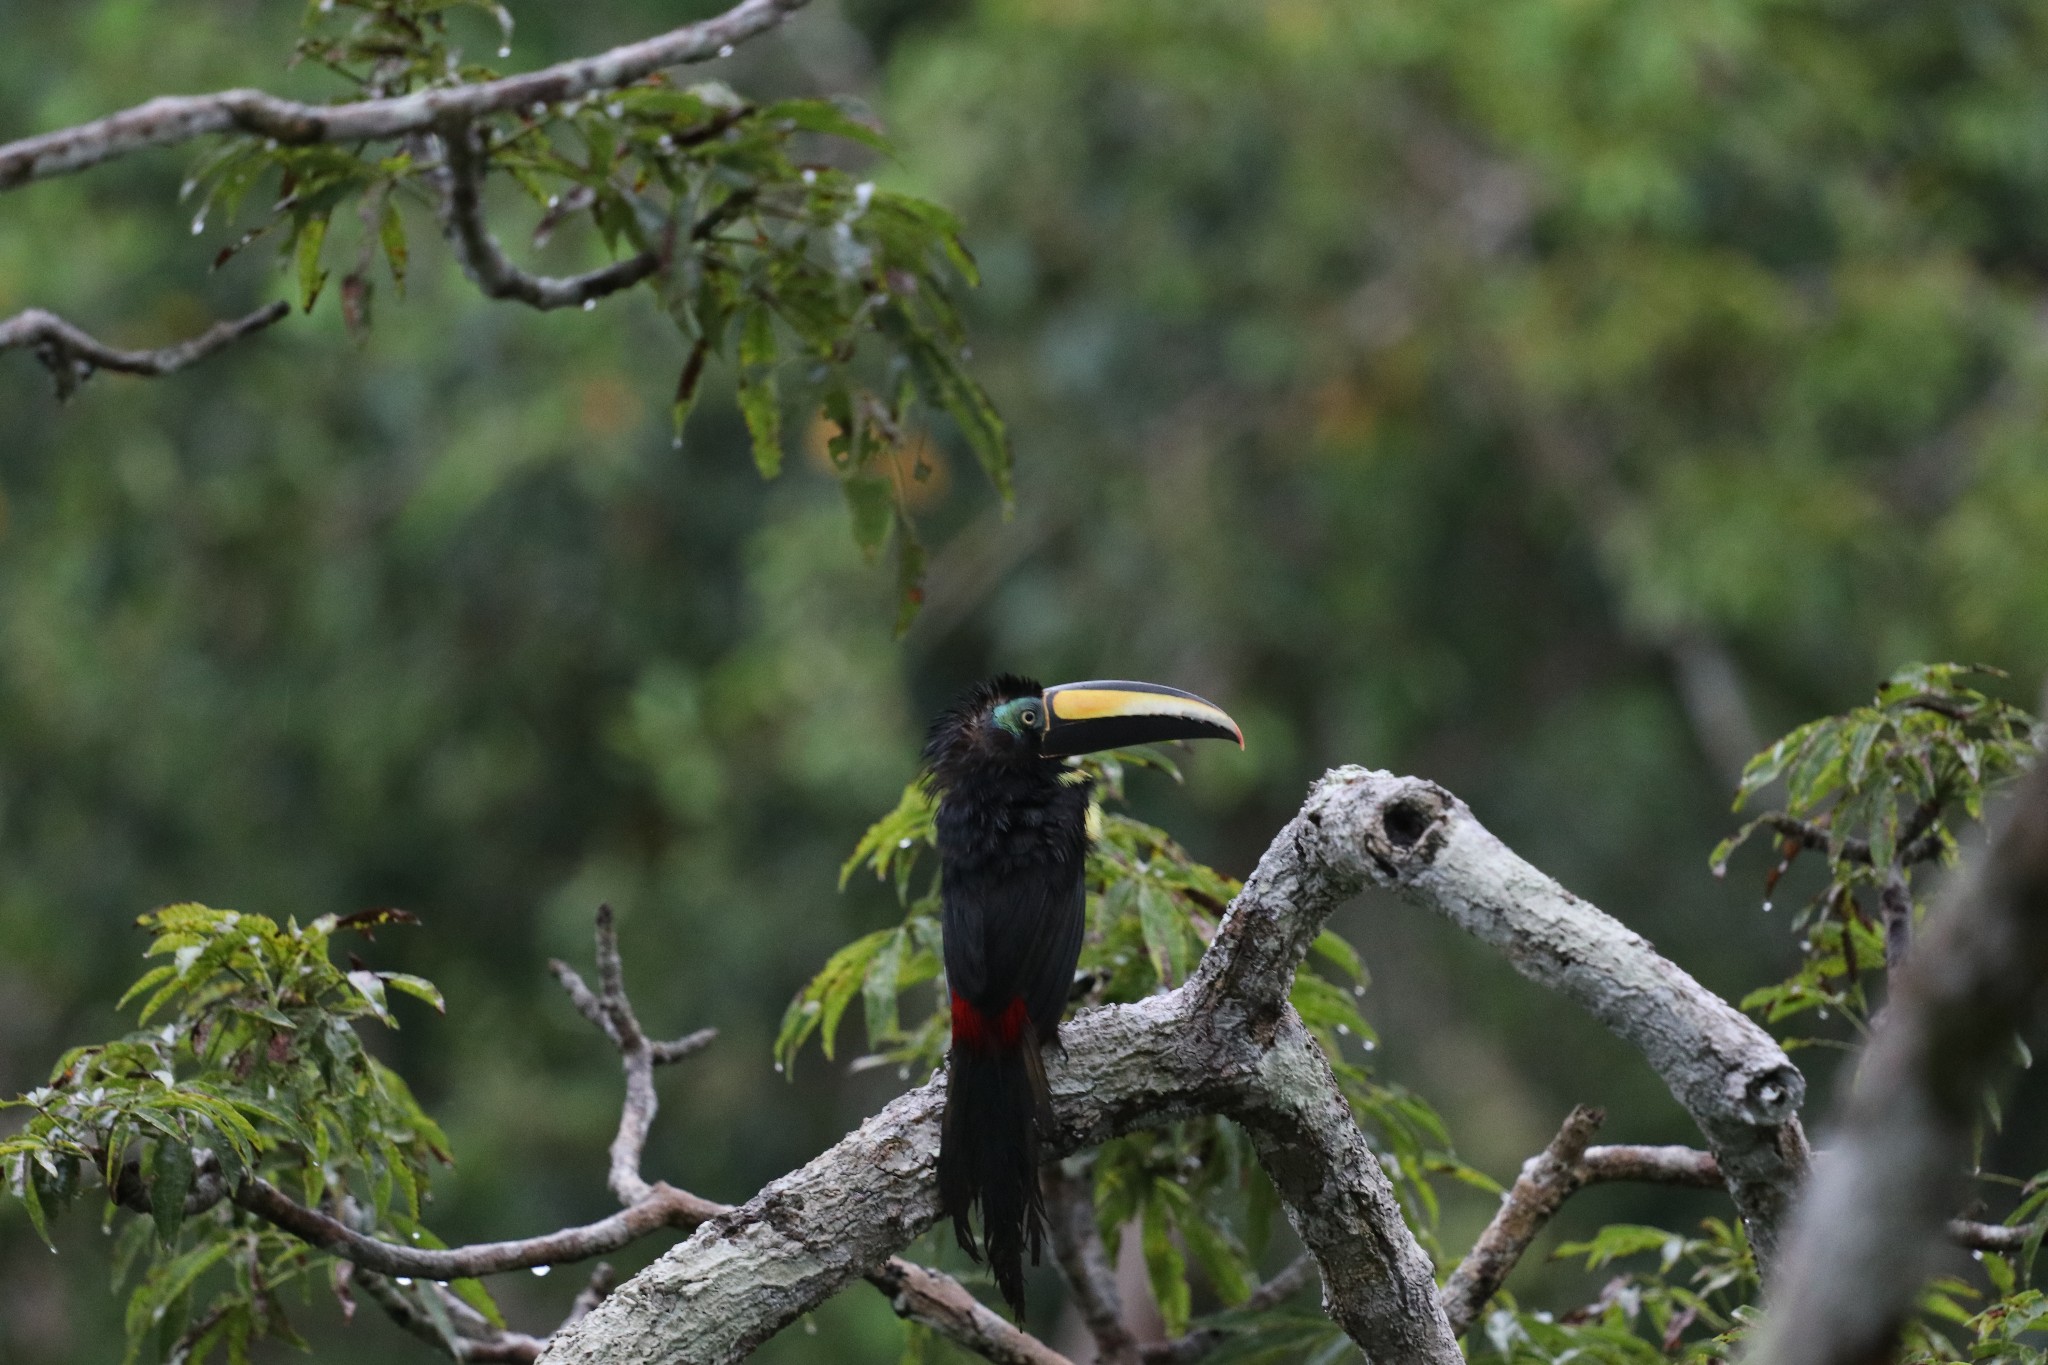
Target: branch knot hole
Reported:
[(1406, 821)]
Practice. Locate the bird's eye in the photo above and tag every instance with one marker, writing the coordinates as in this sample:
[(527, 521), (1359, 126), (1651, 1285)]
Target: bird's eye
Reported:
[(1028, 717)]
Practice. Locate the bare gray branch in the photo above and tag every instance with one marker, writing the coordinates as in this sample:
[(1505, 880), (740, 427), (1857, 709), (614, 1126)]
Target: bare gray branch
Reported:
[(173, 119), (71, 355)]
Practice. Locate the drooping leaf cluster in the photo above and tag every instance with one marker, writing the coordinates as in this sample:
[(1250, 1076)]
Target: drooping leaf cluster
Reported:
[(1879, 789), (771, 256), (245, 1064)]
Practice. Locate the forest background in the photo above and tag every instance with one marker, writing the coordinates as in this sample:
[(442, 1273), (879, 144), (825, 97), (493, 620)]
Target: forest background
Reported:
[(1555, 400)]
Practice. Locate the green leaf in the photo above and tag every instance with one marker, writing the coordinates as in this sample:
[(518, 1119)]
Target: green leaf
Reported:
[(1334, 949), (416, 986), (1160, 921), (306, 258), (172, 1176), (879, 988), (822, 116), (872, 501), (1164, 1264), (391, 234), (32, 1200), (910, 561), (760, 401)]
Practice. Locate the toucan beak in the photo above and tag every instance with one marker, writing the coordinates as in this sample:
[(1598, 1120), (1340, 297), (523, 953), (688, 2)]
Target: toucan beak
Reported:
[(1086, 717)]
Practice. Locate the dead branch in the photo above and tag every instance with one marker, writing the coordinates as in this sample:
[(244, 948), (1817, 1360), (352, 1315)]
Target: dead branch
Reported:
[(1547, 1180), (943, 1304), (72, 355)]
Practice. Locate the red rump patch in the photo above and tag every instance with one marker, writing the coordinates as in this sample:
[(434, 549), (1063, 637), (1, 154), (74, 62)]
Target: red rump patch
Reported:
[(972, 1028)]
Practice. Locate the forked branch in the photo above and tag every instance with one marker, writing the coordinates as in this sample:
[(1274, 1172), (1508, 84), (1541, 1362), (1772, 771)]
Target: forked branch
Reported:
[(72, 355)]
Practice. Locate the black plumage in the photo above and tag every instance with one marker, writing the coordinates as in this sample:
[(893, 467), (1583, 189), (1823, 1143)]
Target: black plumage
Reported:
[(1013, 851), (1013, 843)]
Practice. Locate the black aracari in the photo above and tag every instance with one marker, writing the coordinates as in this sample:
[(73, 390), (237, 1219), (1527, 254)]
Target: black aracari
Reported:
[(1013, 844)]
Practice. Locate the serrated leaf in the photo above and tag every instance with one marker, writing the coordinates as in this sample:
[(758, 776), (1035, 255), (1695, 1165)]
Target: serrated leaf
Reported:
[(1164, 1264), (879, 988)]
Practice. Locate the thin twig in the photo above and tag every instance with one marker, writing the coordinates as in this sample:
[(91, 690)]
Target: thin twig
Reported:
[(1546, 1181), (1077, 1245), (599, 1288), (173, 119), (71, 355), (664, 1207), (942, 1303), (462, 222), (1918, 842)]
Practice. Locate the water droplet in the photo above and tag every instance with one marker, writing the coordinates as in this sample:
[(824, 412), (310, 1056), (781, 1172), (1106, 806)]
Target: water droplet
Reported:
[(415, 1236), (1343, 1030), (504, 49), (676, 444), (1767, 907), (404, 1281), (810, 176), (540, 1272), (778, 1068), (902, 1073), (1976, 1255), (199, 222), (1368, 1044), (725, 50), (1823, 1012), (589, 304), (903, 843)]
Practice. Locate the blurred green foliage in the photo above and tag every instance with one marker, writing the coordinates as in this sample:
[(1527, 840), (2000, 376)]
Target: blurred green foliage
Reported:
[(1445, 386)]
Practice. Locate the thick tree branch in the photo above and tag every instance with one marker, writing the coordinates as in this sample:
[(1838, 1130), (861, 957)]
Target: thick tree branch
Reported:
[(173, 119), (72, 356), (1228, 1043), (1735, 1082), (1867, 1233), (462, 222)]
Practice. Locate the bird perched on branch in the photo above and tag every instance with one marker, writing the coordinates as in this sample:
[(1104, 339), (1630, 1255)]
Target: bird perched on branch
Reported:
[(1013, 844)]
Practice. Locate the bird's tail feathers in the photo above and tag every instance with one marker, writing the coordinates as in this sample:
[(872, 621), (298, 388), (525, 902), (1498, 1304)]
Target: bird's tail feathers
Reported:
[(997, 1104)]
